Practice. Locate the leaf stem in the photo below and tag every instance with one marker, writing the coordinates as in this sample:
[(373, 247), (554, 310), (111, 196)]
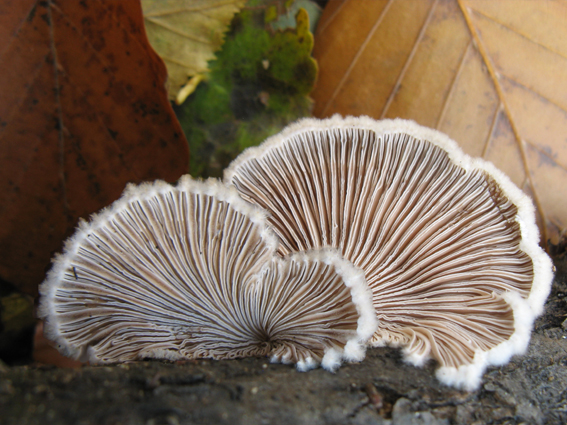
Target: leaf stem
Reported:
[(521, 143)]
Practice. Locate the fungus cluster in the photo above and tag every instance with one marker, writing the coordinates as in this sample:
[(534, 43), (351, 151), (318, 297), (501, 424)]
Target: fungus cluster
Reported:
[(330, 236)]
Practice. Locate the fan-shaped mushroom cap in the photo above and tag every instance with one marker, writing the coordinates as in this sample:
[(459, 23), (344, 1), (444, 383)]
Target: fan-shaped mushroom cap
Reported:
[(448, 244), (189, 272), (314, 307)]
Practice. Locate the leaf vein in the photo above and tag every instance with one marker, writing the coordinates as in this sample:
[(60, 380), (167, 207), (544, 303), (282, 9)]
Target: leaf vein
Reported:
[(59, 110), (178, 32), (15, 33), (323, 27), (408, 60), (531, 89), (491, 70), (542, 152), (453, 85), (490, 134), (178, 62), (516, 31), (357, 57)]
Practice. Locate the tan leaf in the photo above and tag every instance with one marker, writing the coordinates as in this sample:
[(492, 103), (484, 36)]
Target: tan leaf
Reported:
[(83, 111), (186, 34), (490, 74)]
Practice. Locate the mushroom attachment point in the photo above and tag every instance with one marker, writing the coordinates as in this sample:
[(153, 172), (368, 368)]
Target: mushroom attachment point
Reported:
[(448, 244), (189, 272)]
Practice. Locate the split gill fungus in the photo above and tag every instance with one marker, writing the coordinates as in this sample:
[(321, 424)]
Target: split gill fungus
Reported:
[(330, 236), (189, 272)]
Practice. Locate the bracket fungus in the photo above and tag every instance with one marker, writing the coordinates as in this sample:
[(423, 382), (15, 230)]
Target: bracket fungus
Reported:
[(448, 244), (189, 272)]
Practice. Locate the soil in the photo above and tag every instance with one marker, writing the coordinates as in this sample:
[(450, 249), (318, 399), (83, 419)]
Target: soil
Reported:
[(531, 389)]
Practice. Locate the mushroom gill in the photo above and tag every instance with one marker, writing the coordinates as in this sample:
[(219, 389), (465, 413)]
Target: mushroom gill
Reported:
[(448, 244), (189, 272), (312, 308)]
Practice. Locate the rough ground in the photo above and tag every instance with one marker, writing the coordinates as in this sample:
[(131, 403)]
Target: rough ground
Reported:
[(531, 389)]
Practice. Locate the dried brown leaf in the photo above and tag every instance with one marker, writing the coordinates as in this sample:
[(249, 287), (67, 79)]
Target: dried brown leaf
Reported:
[(83, 111), (490, 74)]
